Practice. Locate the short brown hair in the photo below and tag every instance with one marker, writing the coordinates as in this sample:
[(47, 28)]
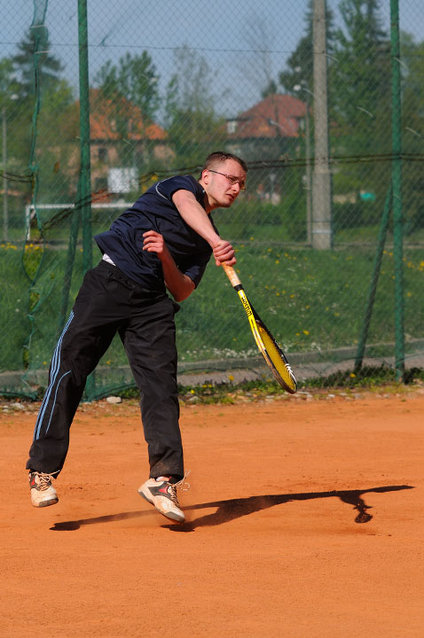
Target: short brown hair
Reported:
[(221, 156)]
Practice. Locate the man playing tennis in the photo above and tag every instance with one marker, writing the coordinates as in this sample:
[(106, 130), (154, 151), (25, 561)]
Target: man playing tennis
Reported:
[(163, 242)]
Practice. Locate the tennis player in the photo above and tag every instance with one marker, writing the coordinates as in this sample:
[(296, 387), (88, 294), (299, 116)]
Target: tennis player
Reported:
[(162, 243)]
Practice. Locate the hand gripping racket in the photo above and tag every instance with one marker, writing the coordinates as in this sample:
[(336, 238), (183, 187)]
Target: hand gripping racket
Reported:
[(272, 353)]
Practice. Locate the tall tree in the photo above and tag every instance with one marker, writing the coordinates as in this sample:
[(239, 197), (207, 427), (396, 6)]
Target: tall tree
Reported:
[(58, 112), (359, 51), (18, 81), (360, 76), (36, 43), (13, 159), (133, 78), (412, 67), (190, 116), (299, 70), (8, 84), (129, 96)]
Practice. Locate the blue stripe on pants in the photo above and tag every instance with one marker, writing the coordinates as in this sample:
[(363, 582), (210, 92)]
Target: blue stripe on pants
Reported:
[(53, 386)]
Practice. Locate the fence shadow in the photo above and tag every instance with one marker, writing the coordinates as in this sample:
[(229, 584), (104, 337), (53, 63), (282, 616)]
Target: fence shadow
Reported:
[(233, 508)]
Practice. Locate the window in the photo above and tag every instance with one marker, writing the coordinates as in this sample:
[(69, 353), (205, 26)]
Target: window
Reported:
[(102, 154), (231, 126)]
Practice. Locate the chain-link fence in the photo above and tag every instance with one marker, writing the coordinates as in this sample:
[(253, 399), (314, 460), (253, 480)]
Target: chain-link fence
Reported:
[(99, 100)]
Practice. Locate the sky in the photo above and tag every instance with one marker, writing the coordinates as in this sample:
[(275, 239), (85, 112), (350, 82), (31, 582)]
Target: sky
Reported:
[(225, 33)]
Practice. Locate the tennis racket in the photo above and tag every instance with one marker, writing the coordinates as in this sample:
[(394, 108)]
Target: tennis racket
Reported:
[(272, 353)]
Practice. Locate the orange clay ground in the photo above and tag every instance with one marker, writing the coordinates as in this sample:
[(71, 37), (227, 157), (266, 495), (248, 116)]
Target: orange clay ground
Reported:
[(305, 520)]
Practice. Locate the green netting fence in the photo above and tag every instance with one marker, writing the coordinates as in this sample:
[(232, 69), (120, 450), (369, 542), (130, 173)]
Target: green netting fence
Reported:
[(324, 102)]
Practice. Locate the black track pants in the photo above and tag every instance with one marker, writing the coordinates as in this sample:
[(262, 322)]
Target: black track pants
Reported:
[(107, 303)]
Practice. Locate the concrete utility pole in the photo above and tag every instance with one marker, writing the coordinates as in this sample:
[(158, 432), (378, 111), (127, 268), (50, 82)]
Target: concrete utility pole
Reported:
[(321, 182)]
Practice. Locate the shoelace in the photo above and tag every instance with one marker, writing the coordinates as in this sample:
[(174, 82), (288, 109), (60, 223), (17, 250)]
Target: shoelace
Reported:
[(183, 484), (173, 494), (44, 480)]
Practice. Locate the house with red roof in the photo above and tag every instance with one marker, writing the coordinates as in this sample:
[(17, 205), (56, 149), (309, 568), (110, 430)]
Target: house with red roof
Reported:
[(270, 131), (124, 145), (267, 130)]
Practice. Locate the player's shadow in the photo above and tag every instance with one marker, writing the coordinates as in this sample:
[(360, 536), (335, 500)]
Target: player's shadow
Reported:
[(233, 508)]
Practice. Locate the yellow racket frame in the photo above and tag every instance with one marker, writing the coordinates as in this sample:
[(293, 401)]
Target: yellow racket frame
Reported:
[(268, 347)]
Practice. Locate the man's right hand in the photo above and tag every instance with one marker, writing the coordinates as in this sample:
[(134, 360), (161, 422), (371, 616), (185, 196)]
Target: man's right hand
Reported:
[(224, 253)]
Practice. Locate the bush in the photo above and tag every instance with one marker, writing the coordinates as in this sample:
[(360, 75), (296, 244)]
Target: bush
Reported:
[(350, 215)]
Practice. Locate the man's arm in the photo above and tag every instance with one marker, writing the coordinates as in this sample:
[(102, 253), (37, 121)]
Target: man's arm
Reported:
[(178, 284), (197, 218)]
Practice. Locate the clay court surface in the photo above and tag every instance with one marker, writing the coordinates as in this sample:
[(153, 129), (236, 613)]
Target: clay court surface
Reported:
[(305, 519)]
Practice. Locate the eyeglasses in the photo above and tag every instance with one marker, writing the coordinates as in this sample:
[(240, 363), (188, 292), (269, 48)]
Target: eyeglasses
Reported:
[(232, 179)]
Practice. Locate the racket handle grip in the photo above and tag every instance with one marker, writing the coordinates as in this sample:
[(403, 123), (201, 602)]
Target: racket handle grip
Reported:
[(232, 276)]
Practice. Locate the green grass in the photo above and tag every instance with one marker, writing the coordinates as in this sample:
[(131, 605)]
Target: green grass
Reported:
[(379, 379), (376, 379), (30, 302), (312, 301)]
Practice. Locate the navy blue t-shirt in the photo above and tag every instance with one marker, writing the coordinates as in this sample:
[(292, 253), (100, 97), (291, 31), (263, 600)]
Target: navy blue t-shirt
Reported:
[(154, 210)]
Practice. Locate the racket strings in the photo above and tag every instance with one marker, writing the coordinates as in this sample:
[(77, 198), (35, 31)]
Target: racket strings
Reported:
[(279, 364)]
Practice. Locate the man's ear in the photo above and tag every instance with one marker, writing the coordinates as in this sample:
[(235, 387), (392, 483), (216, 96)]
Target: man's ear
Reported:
[(205, 176)]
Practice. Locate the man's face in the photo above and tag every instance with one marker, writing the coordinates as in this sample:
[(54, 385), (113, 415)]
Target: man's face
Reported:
[(223, 182)]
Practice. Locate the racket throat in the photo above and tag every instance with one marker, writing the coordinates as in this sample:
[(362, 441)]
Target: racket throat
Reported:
[(245, 302)]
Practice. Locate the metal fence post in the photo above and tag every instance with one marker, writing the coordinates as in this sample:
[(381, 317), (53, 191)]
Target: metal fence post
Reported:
[(397, 193), (84, 186), (374, 280), (84, 190)]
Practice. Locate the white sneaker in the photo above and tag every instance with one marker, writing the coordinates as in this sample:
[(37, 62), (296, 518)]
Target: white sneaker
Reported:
[(42, 490), (163, 495)]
